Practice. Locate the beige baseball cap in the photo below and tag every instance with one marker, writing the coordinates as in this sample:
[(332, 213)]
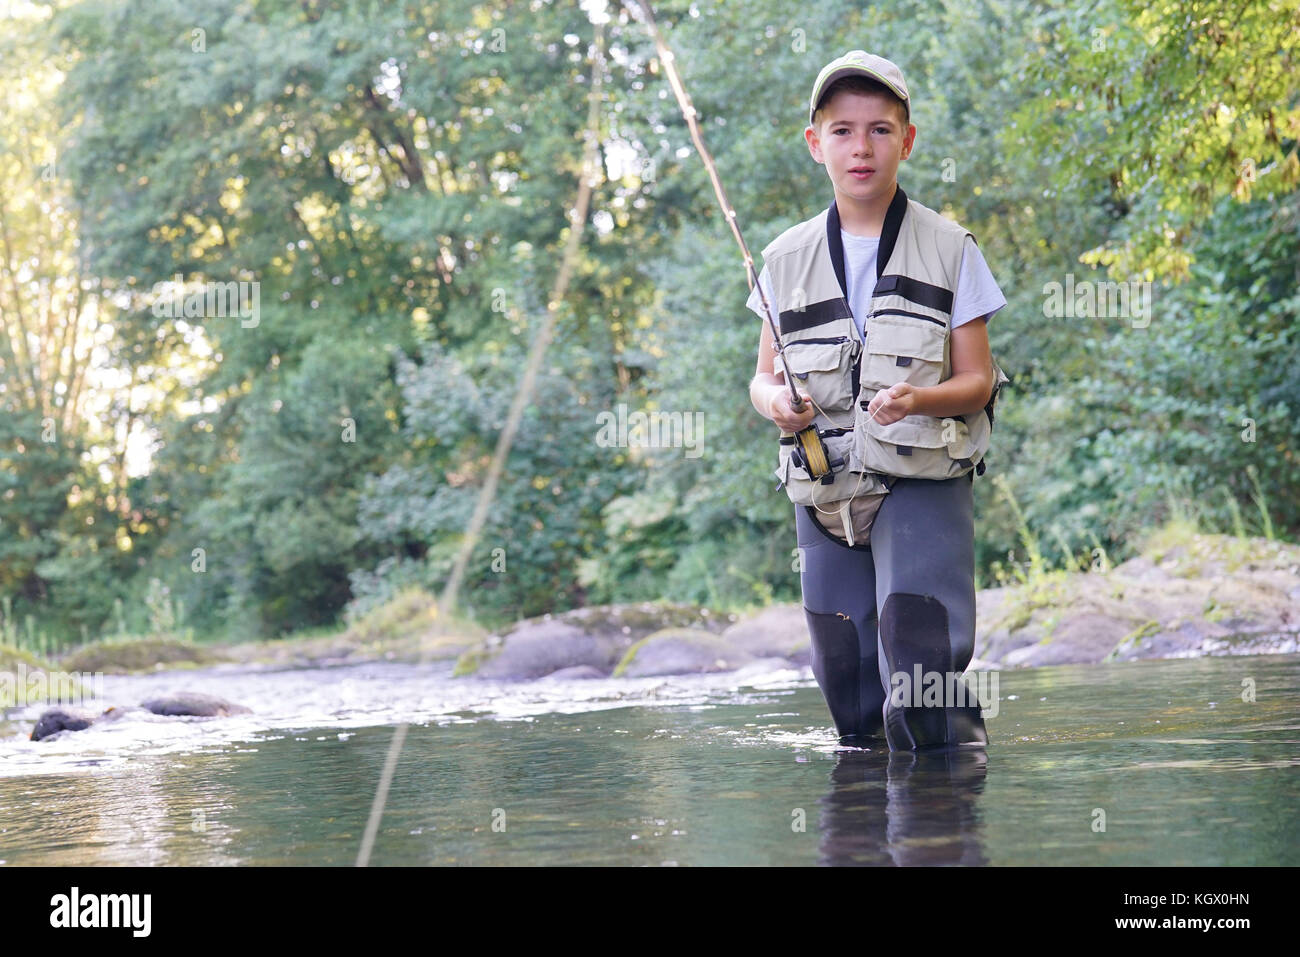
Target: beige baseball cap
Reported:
[(863, 64)]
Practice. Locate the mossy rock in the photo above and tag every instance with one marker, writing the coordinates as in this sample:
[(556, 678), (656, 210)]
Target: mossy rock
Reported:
[(1081, 637), (193, 703), (470, 661), (11, 658), (1133, 638), (596, 636), (577, 673), (635, 620), (137, 655), (537, 649)]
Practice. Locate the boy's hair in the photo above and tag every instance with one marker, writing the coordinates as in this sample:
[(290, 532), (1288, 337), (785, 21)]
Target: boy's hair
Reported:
[(859, 84)]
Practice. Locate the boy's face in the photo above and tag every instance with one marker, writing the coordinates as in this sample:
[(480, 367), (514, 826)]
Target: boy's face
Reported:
[(861, 130)]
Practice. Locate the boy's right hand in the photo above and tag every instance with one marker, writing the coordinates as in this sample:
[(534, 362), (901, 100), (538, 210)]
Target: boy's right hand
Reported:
[(786, 417)]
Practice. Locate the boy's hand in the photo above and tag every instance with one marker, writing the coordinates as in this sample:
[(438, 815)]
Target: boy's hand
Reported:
[(890, 405), (787, 418)]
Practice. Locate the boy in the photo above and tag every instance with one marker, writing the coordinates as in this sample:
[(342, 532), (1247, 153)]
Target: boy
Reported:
[(882, 306)]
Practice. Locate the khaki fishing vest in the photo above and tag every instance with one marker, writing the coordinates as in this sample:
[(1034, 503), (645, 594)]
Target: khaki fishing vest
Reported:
[(907, 341)]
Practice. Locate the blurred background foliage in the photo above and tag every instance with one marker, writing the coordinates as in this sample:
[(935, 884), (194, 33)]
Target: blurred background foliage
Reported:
[(396, 177)]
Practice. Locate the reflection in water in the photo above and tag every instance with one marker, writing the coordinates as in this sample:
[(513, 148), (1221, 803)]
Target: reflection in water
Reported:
[(903, 808), (153, 813)]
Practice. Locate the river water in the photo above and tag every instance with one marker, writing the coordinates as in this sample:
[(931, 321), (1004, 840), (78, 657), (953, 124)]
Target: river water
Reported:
[(1152, 762)]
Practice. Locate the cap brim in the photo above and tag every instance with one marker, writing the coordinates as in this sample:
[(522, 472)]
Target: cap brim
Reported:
[(854, 71)]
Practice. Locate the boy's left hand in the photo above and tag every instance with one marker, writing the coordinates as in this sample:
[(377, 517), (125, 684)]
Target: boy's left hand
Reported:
[(890, 405)]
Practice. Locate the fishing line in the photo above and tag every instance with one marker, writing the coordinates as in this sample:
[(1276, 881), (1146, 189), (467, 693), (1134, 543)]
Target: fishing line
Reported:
[(524, 394)]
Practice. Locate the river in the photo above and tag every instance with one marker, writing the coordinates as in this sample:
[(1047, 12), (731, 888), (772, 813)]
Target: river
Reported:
[(1150, 762)]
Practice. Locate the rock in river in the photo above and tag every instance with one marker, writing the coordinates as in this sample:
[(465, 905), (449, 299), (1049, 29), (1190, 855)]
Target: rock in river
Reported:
[(677, 651), (183, 703), (595, 637), (193, 703)]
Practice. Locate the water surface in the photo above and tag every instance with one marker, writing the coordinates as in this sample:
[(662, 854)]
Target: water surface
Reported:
[(1154, 762)]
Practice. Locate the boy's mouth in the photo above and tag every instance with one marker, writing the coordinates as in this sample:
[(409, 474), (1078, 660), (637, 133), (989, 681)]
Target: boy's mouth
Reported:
[(861, 172)]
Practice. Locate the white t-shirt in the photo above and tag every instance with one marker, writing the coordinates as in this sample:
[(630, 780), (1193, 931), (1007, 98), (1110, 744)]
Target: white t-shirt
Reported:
[(977, 293)]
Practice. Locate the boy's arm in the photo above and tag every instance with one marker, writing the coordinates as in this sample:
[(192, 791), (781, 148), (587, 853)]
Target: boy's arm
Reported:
[(971, 384), (767, 382), (769, 393)]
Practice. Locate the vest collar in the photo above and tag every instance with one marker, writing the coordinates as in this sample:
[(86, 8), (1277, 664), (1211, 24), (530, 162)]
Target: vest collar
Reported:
[(888, 237)]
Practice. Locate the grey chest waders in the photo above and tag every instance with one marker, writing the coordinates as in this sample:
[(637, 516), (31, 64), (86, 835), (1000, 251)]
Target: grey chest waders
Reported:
[(893, 613), (889, 621)]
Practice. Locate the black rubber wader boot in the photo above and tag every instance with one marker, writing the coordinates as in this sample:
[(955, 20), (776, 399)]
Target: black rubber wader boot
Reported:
[(906, 598), (914, 636), (839, 602)]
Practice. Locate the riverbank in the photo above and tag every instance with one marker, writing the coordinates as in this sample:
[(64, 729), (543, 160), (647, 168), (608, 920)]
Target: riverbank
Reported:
[(1184, 595)]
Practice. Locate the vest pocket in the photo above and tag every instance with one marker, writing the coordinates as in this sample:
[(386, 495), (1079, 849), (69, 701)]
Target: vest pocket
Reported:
[(903, 350), (960, 439), (916, 446), (822, 368)]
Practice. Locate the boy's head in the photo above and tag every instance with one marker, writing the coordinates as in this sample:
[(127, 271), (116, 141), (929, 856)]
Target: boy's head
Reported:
[(860, 127)]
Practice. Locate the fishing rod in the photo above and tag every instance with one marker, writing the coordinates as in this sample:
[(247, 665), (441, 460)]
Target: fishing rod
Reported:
[(809, 443)]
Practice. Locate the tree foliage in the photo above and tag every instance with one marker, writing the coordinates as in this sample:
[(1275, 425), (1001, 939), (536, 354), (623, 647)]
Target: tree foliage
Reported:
[(396, 179)]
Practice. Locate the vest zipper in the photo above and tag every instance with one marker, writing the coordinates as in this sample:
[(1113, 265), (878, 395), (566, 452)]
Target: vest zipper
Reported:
[(797, 342), (904, 312)]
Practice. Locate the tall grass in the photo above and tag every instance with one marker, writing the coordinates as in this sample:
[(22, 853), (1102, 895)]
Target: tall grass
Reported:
[(1260, 502), (27, 637), (1187, 514), (165, 618), (1034, 567), (1234, 510)]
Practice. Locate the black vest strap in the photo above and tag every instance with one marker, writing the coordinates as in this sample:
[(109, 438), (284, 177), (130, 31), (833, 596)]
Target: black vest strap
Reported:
[(888, 237), (835, 243), (889, 234)]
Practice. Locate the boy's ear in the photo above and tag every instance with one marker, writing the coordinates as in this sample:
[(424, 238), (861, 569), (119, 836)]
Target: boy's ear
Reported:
[(814, 142)]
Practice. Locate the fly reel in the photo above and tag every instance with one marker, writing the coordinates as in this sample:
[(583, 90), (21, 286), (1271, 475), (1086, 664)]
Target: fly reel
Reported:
[(811, 454)]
